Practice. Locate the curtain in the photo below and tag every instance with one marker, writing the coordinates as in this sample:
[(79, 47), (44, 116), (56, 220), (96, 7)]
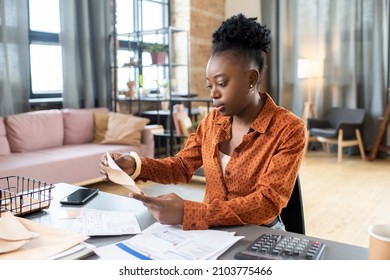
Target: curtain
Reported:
[(85, 29), (14, 76), (282, 19), (350, 38)]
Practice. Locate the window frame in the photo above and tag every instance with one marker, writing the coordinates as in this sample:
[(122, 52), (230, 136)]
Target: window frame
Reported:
[(50, 38), (43, 38)]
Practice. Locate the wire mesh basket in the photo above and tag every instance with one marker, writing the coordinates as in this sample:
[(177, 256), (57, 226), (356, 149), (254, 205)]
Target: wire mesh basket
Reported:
[(20, 195)]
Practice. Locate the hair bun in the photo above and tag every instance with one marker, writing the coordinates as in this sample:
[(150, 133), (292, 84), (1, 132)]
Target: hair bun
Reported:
[(244, 31)]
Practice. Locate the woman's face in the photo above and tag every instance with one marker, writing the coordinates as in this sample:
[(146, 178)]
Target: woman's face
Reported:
[(228, 79)]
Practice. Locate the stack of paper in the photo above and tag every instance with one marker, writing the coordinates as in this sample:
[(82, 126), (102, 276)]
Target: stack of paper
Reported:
[(166, 242), (80, 251), (22, 239)]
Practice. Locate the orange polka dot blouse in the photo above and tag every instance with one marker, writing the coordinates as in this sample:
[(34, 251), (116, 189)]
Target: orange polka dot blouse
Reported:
[(259, 177)]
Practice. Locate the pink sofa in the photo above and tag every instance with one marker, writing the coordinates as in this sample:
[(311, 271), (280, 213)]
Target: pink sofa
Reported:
[(58, 146)]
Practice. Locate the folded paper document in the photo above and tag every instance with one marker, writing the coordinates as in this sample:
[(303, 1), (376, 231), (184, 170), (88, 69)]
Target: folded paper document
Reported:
[(11, 229), (13, 234), (118, 176), (166, 242), (22, 239)]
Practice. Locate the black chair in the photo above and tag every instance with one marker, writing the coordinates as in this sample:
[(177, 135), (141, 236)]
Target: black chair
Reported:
[(341, 126), (292, 215)]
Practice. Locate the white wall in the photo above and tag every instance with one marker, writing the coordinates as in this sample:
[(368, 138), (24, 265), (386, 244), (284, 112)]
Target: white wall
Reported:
[(250, 8)]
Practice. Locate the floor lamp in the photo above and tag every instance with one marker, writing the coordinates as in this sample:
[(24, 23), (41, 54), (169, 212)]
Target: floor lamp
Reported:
[(310, 69)]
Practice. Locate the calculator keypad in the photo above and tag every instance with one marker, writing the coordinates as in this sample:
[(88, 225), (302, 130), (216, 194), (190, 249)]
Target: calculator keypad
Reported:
[(280, 247)]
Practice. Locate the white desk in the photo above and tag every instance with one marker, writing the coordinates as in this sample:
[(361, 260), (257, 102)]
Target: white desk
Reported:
[(106, 201)]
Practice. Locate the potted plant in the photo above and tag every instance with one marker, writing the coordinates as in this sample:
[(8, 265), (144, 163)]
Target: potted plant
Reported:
[(157, 51)]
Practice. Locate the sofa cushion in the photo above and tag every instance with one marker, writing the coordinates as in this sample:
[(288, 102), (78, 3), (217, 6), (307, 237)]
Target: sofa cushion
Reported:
[(101, 125), (79, 125), (124, 129), (69, 163), (35, 130), (4, 145)]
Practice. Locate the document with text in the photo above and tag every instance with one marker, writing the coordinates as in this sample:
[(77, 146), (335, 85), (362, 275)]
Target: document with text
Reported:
[(166, 242), (94, 222)]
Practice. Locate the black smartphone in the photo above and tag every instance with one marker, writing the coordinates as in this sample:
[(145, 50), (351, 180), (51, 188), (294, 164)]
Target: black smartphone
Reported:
[(79, 197)]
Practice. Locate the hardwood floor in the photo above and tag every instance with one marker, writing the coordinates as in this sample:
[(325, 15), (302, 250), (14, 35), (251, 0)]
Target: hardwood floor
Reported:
[(341, 200)]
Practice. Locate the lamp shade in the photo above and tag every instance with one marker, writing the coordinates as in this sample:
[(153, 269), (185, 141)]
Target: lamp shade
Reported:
[(310, 68)]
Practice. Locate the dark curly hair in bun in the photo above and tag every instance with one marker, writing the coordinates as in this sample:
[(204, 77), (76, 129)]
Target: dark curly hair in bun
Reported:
[(244, 36)]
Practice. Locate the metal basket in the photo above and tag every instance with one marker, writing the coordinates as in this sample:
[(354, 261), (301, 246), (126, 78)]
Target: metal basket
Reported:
[(20, 195)]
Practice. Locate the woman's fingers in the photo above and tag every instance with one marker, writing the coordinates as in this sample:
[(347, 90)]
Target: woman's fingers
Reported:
[(167, 208)]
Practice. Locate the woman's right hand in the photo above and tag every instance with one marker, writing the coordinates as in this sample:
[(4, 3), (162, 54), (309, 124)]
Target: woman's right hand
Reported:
[(123, 160)]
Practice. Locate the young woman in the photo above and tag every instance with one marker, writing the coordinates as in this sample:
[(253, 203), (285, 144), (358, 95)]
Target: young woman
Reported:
[(249, 147)]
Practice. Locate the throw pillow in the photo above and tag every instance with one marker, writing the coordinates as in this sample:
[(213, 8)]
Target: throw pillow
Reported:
[(101, 126), (124, 129), (79, 125), (34, 131)]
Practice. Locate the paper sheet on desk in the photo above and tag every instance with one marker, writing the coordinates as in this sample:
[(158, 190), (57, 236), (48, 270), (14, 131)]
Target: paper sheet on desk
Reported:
[(117, 175), (93, 222), (167, 242)]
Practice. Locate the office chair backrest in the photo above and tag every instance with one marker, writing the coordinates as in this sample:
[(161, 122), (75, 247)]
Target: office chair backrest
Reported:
[(292, 215), (340, 115)]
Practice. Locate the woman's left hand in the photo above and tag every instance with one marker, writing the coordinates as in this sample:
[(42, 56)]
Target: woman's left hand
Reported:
[(167, 208)]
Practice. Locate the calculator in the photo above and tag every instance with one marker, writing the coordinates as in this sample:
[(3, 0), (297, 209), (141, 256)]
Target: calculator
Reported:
[(281, 247)]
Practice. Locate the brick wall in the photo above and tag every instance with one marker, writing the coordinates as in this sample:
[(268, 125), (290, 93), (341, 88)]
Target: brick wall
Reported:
[(201, 18)]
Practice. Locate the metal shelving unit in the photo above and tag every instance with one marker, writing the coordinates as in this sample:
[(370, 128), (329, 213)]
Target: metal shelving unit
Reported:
[(171, 75)]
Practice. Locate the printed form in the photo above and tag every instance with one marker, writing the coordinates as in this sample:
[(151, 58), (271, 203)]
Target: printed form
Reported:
[(166, 242), (94, 222)]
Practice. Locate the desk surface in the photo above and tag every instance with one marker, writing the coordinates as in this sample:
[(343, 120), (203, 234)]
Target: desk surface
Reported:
[(106, 201)]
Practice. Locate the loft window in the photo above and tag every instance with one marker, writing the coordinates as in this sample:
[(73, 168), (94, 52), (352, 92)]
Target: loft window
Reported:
[(45, 49)]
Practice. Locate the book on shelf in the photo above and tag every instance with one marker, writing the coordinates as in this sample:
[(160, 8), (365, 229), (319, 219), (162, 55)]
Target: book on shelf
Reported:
[(155, 128)]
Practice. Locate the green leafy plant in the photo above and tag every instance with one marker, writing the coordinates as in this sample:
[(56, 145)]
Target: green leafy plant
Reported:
[(155, 47)]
